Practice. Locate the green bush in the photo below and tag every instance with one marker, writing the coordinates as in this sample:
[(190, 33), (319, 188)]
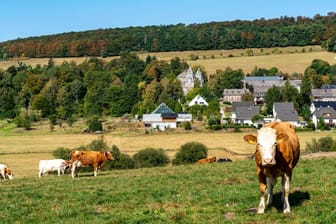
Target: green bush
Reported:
[(23, 122), (62, 153), (95, 124), (98, 145), (324, 144), (187, 125), (190, 153), (121, 161), (150, 157)]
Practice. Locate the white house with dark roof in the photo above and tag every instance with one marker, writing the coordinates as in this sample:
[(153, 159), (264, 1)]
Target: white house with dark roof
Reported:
[(327, 114), (188, 79), (284, 111), (163, 118), (243, 112)]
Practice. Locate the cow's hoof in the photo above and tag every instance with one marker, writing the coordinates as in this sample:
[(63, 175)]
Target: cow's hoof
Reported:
[(287, 210), (261, 211)]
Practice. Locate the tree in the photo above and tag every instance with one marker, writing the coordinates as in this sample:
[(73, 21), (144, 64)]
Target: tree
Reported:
[(272, 95), (306, 87)]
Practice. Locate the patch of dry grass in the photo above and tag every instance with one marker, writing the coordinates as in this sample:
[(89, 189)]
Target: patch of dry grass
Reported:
[(286, 59)]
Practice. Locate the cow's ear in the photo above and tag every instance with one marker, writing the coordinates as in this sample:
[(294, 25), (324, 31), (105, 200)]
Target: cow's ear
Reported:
[(281, 137), (251, 139)]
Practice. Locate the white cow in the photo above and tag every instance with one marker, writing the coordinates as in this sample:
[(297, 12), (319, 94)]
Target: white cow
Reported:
[(5, 172), (52, 165)]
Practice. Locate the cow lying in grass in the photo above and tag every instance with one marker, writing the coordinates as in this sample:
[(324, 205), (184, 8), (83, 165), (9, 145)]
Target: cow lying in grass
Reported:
[(207, 160)]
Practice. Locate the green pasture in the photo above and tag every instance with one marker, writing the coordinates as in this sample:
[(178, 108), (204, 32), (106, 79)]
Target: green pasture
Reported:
[(210, 193)]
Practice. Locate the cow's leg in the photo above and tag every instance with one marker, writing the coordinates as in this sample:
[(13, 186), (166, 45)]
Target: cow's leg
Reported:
[(285, 192), (270, 184), (73, 170), (95, 170), (59, 171), (40, 174), (262, 188)]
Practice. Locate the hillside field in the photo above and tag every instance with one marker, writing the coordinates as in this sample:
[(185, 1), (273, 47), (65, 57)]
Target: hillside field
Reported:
[(287, 59)]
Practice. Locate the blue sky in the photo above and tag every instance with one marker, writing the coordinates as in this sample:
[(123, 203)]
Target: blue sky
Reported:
[(25, 18)]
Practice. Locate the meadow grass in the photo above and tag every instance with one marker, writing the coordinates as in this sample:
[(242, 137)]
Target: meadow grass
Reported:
[(211, 193)]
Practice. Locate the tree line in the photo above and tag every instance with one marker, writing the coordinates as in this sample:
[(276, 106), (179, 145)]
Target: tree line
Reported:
[(129, 85), (261, 33)]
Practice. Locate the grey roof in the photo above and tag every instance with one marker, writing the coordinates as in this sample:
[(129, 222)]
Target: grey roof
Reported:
[(325, 113), (263, 78), (246, 113), (235, 92), (163, 109), (285, 112), (323, 93), (246, 104)]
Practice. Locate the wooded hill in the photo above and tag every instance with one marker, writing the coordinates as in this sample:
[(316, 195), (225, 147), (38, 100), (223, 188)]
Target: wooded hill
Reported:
[(261, 33)]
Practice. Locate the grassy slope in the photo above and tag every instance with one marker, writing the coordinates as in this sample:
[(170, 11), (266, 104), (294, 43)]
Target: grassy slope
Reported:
[(212, 193)]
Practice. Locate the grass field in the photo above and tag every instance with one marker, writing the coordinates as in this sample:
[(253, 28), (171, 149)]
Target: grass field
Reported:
[(211, 193), (287, 59)]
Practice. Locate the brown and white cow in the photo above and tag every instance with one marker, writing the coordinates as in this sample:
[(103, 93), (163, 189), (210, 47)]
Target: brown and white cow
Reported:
[(5, 172), (207, 160), (96, 159), (277, 153)]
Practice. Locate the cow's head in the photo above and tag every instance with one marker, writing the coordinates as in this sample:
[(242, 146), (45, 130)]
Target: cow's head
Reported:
[(109, 156), (9, 173), (266, 142)]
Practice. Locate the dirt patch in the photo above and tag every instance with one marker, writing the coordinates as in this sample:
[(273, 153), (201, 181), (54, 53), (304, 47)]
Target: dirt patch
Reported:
[(318, 155)]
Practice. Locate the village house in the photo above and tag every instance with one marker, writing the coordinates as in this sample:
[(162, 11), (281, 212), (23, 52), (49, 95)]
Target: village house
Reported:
[(188, 79), (284, 111), (325, 110), (198, 100), (259, 85), (243, 112), (234, 95), (163, 118)]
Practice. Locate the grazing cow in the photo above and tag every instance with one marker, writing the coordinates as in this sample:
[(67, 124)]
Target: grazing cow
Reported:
[(6, 172), (277, 153), (96, 159), (207, 160), (46, 166)]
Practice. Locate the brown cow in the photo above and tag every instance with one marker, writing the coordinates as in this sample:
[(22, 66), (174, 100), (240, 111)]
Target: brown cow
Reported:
[(207, 160), (277, 153), (96, 159)]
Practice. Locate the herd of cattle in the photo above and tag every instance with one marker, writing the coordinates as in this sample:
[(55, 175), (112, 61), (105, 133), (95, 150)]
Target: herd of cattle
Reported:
[(277, 153)]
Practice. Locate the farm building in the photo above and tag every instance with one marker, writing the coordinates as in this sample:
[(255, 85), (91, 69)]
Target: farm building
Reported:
[(324, 94), (243, 112), (163, 118)]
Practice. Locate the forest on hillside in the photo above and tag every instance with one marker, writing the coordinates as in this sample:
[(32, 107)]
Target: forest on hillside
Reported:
[(261, 33), (130, 85)]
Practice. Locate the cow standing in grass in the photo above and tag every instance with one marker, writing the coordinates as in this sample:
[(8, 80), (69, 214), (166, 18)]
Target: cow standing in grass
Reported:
[(277, 153), (5, 172), (96, 159)]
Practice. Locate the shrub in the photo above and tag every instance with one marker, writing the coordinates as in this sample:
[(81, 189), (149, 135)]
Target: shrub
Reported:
[(98, 145), (95, 124), (62, 153), (324, 144), (187, 125), (121, 161), (150, 157), (190, 153), (23, 122)]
